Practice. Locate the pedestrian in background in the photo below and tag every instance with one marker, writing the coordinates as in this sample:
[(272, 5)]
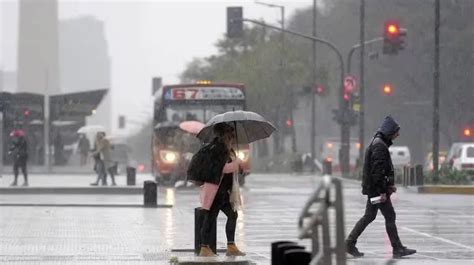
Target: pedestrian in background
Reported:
[(84, 148), (19, 152), (219, 194), (104, 162), (378, 182)]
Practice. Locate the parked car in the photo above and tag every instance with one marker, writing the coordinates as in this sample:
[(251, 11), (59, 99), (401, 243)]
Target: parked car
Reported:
[(400, 156), (429, 160), (461, 157)]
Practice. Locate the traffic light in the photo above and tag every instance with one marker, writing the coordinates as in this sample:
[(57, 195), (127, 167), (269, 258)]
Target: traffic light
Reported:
[(320, 90), (234, 22), (26, 113), (468, 132), (393, 37), (387, 89), (289, 123)]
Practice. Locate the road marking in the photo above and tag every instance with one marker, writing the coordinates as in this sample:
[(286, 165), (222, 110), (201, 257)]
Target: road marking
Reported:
[(438, 238)]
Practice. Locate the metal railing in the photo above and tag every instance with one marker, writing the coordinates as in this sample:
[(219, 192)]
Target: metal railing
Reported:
[(313, 223)]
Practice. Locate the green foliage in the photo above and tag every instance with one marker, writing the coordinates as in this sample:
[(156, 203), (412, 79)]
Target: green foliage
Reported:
[(174, 260), (449, 176), (258, 61)]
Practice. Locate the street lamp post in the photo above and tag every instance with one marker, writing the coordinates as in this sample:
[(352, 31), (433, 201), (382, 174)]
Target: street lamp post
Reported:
[(313, 95), (282, 67)]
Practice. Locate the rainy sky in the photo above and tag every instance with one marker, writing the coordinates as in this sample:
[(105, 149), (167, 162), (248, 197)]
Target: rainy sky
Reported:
[(146, 38)]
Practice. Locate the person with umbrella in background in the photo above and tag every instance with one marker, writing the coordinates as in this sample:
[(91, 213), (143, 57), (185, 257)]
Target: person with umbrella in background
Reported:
[(104, 162), (217, 165), (19, 151)]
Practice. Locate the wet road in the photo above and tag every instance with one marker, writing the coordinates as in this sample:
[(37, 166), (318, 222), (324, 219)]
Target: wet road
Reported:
[(440, 227)]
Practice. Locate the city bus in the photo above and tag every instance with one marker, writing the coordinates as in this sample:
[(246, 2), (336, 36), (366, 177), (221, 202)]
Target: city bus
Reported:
[(172, 148)]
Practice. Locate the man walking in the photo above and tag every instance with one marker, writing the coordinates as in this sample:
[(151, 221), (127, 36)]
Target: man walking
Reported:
[(378, 180)]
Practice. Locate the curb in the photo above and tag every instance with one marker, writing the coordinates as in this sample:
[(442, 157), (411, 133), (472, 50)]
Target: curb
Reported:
[(214, 261), (84, 205), (447, 189), (72, 190)]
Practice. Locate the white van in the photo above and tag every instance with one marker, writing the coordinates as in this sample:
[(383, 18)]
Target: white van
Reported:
[(462, 157), (400, 155)]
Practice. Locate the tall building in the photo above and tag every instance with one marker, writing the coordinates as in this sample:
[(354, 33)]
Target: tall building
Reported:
[(38, 64), (85, 62)]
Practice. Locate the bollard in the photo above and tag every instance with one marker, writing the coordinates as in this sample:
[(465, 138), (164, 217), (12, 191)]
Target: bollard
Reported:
[(412, 176), (131, 176), (199, 214), (327, 167), (149, 193), (275, 250), (296, 256), (404, 176), (419, 175), (281, 251)]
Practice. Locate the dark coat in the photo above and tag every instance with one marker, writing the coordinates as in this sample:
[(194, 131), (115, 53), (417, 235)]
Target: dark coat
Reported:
[(208, 167), (378, 173), (19, 149)]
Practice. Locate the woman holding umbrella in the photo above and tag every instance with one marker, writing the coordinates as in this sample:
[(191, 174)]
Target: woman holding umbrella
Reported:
[(217, 197), (220, 191)]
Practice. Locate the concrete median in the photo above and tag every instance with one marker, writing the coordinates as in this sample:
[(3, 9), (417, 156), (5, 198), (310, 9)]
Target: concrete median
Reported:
[(447, 189)]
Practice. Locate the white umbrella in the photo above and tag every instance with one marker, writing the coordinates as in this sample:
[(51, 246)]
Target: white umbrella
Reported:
[(91, 129)]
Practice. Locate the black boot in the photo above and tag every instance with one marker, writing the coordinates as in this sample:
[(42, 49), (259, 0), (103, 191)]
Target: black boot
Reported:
[(352, 249), (402, 251)]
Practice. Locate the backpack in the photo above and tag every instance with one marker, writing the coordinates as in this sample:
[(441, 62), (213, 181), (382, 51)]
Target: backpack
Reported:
[(198, 166)]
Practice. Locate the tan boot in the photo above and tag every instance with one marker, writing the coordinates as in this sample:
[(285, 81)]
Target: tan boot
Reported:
[(232, 250), (206, 252)]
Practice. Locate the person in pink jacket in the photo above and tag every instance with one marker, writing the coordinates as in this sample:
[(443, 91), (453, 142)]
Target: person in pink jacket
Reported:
[(217, 197)]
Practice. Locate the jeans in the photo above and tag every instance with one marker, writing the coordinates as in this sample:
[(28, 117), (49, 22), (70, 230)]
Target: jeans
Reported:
[(370, 213), (221, 203)]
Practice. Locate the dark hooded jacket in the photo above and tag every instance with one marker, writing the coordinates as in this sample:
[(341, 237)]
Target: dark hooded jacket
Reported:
[(378, 173)]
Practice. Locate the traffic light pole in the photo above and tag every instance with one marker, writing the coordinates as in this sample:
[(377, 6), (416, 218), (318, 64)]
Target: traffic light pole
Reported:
[(436, 94), (313, 96), (343, 105), (362, 85)]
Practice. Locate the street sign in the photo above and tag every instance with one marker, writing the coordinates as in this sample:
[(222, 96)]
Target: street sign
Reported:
[(350, 83), (356, 107)]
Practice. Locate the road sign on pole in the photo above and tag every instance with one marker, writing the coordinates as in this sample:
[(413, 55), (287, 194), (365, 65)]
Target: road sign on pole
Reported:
[(350, 83)]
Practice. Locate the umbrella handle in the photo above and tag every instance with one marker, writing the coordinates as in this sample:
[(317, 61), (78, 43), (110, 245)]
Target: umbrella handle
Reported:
[(236, 137)]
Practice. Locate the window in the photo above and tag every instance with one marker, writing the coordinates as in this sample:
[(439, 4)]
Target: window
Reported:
[(470, 151)]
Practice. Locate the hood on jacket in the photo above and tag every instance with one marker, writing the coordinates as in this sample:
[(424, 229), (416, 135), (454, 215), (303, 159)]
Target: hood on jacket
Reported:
[(389, 127)]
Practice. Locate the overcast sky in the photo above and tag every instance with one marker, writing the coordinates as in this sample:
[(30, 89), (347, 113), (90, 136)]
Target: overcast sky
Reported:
[(146, 38)]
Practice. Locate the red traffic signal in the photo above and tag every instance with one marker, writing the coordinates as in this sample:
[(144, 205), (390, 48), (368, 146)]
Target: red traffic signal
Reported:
[(289, 123), (393, 37), (320, 90), (26, 113), (392, 29), (467, 132), (387, 89)]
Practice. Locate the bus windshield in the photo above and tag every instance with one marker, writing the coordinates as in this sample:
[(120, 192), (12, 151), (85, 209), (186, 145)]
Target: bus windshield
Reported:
[(197, 112)]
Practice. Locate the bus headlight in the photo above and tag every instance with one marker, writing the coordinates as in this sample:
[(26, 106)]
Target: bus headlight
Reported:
[(243, 155), (169, 156)]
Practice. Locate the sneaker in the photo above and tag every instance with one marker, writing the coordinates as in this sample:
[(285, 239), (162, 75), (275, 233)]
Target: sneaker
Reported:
[(25, 184), (352, 249), (14, 184), (402, 251)]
